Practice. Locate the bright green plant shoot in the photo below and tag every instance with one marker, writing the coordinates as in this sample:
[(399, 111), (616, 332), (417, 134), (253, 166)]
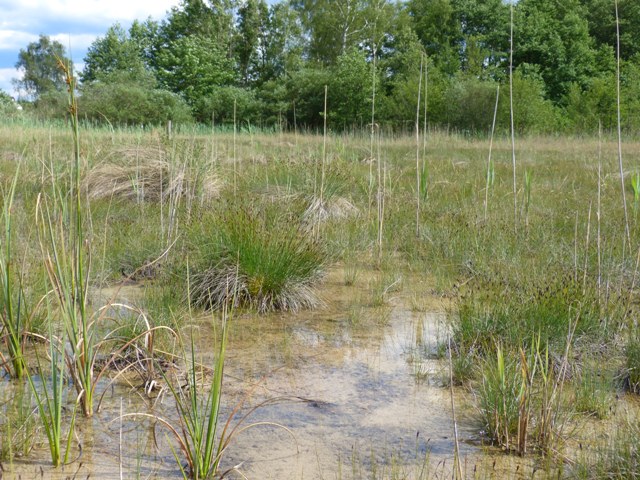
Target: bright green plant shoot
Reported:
[(635, 183), (12, 298), (50, 402)]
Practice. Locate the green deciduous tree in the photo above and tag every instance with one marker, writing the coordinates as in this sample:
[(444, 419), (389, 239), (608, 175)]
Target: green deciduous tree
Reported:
[(554, 37), (350, 90), (437, 26), (39, 65), (194, 66), (284, 43), (115, 52), (253, 18), (602, 24), (334, 26)]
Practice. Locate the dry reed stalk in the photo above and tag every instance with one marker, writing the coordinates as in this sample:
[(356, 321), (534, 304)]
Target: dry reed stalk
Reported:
[(324, 146), (418, 150), (513, 135), (456, 452), (598, 212), (235, 159), (586, 253), (493, 129), (619, 129), (424, 119)]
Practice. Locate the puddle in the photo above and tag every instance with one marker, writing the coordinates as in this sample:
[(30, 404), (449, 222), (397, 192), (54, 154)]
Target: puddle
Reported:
[(353, 391)]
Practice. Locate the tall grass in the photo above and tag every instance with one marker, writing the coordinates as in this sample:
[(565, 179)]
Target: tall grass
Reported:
[(50, 394), (13, 316), (269, 262), (199, 413), (66, 257)]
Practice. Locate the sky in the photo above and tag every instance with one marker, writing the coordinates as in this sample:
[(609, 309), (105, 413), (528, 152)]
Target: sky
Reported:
[(74, 23)]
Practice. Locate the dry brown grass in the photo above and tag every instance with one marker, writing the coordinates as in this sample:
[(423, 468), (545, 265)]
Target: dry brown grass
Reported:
[(146, 175)]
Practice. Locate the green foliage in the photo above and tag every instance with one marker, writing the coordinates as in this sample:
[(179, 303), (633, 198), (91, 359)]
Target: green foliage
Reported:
[(13, 315), (306, 89), (199, 415), (499, 397), (284, 53), (335, 26), (601, 17), (8, 107), (593, 392), (39, 63), (533, 113), (554, 36), (514, 316), (50, 105), (194, 66), (352, 84), (124, 99), (252, 22), (115, 52), (219, 104), (471, 103), (633, 363), (439, 30)]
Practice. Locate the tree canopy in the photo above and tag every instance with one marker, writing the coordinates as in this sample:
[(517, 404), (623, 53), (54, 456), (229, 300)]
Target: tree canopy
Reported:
[(272, 61)]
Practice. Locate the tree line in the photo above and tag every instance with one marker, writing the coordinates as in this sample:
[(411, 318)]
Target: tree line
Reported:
[(267, 65)]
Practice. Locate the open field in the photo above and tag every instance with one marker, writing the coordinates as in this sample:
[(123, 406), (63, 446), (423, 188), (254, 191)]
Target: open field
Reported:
[(360, 308)]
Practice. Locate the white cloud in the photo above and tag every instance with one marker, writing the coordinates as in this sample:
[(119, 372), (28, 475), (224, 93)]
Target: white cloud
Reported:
[(29, 13), (74, 23), (14, 40), (6, 74), (75, 44)]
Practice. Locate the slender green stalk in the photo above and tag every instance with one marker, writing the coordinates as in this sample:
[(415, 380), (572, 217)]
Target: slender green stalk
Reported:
[(199, 415), (50, 402), (12, 315)]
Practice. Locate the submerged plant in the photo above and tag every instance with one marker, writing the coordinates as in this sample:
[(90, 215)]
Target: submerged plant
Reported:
[(197, 434), (17, 423)]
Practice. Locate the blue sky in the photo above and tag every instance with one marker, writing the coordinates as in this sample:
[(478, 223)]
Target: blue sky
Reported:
[(74, 23)]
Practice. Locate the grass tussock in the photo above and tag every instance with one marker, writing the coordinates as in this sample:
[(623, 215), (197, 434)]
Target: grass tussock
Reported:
[(148, 176), (262, 262)]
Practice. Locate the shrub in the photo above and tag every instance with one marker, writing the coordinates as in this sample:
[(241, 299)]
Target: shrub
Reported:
[(120, 99)]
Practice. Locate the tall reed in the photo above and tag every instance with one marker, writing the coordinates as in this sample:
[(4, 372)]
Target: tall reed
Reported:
[(66, 258), (511, 115), (619, 129)]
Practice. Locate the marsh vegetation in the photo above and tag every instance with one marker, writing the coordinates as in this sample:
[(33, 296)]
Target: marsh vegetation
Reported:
[(136, 265)]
